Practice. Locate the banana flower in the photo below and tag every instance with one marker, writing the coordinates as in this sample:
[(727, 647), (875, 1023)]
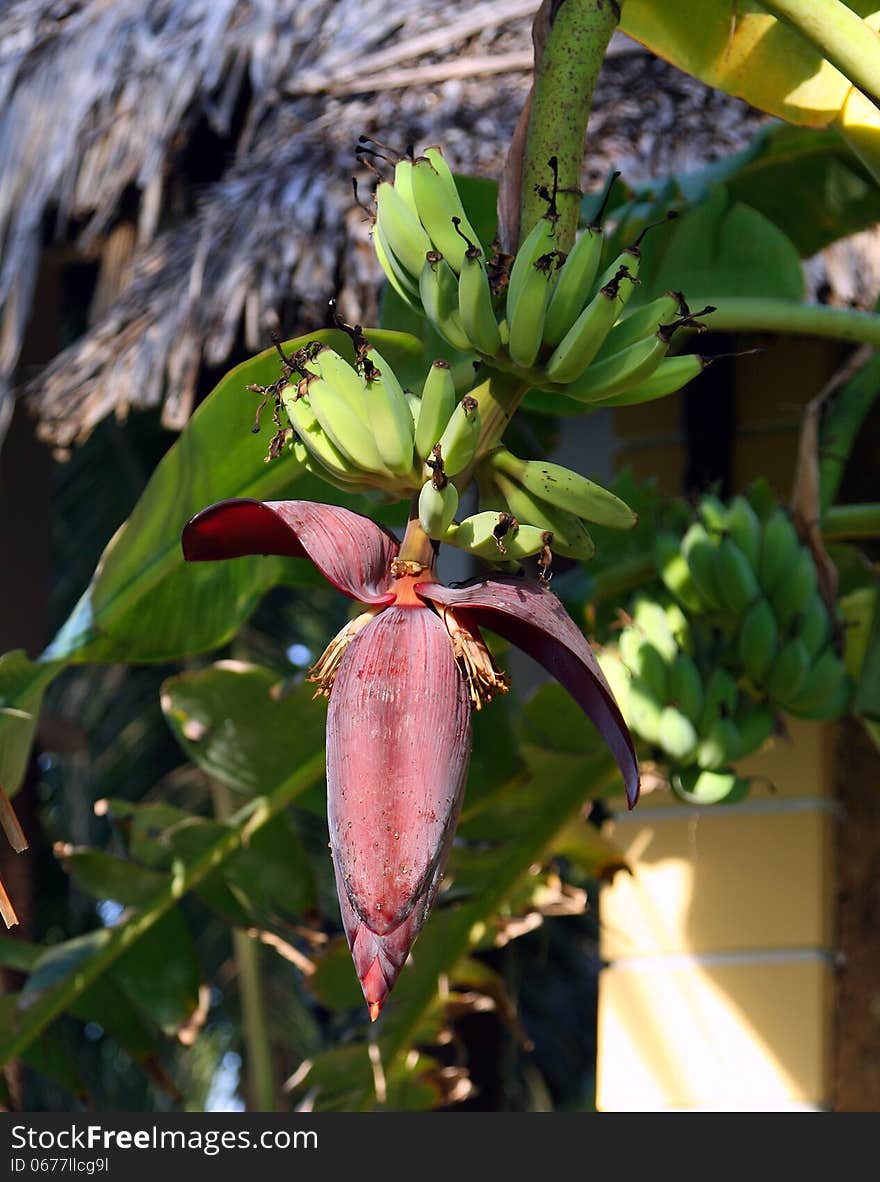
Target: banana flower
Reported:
[(402, 678)]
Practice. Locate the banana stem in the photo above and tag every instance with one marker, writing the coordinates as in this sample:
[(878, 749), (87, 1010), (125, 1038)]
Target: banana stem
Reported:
[(744, 314), (840, 427), (497, 397), (416, 546), (565, 76), (850, 522), (839, 34), (260, 1074)]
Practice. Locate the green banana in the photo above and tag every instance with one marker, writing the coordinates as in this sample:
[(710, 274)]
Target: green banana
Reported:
[(617, 676), (414, 402), (719, 697), (792, 594), (643, 659), (686, 686), (538, 246), (570, 536), (489, 536), (650, 617), (630, 259), (815, 627), (645, 711), (833, 707), (581, 343), (704, 787), (573, 284), (438, 202), (670, 375), (475, 306), (714, 513), (736, 579), (700, 552), (744, 527), (389, 415), (344, 426), (680, 627), (675, 572), (438, 290), (758, 637), (437, 405), (820, 685), (401, 229), (394, 271), (403, 183), (641, 322), (526, 321), (615, 375), (677, 735), (437, 508), (754, 729), (569, 490), (458, 442), (718, 746), (779, 547), (344, 378), (789, 671), (315, 441)]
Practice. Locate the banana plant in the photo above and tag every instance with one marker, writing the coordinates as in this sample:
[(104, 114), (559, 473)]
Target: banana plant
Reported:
[(535, 311)]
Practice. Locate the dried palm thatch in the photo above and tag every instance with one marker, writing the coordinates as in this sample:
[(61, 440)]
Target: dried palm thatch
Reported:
[(100, 99)]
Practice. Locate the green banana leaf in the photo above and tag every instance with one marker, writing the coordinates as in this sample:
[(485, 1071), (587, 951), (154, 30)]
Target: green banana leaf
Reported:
[(131, 954), (808, 183), (144, 602), (720, 248)]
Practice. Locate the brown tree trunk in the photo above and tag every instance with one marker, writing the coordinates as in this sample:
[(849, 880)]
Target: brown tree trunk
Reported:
[(857, 1051)]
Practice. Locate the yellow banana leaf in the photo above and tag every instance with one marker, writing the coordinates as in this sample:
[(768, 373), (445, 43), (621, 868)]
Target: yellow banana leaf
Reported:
[(736, 46)]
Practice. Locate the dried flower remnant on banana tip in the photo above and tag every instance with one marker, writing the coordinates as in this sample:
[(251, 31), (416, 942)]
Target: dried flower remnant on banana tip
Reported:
[(402, 679)]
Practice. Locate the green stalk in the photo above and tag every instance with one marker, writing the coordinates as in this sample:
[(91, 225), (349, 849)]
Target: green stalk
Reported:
[(850, 522), (841, 423), (258, 1044), (259, 1074), (839, 34), (242, 826), (497, 397), (746, 314), (565, 76)]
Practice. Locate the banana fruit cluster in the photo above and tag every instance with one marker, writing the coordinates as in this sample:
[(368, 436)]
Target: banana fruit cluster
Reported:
[(527, 508), (357, 428), (741, 633), (694, 715), (751, 578), (538, 499), (559, 321)]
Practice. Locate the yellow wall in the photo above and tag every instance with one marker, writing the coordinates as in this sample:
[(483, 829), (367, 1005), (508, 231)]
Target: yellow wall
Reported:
[(719, 946), (718, 986)]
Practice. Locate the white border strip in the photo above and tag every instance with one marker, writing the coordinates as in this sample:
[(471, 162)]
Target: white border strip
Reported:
[(670, 961), (784, 804)]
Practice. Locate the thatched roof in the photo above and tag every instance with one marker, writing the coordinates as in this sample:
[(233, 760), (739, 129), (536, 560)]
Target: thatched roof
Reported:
[(101, 100)]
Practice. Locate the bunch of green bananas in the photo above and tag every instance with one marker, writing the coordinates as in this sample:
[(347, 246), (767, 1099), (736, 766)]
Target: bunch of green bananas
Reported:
[(557, 320), (357, 428), (695, 716), (749, 577)]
